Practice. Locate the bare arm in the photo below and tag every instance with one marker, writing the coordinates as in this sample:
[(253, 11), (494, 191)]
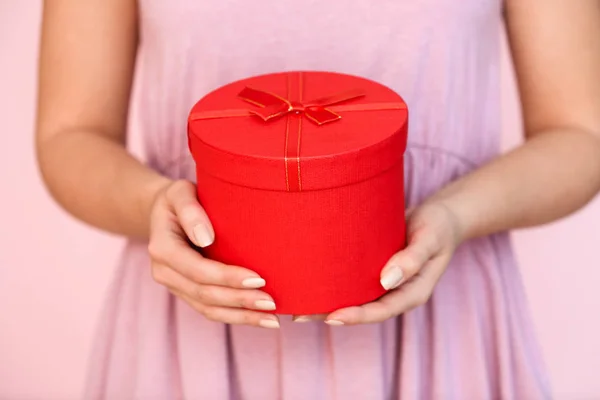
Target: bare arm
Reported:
[(86, 66), (556, 49)]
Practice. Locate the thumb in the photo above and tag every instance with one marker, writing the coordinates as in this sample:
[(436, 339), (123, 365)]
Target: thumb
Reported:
[(192, 217), (405, 264)]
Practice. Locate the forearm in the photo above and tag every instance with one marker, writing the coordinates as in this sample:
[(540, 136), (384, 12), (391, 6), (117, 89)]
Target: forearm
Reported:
[(552, 175), (96, 180)]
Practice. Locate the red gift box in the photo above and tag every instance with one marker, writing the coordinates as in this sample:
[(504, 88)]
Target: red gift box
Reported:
[(302, 176)]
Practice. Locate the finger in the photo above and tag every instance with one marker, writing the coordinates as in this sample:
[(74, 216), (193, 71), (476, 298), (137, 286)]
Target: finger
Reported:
[(413, 293), (309, 318), (405, 264), (234, 316), (167, 248), (192, 217), (213, 295)]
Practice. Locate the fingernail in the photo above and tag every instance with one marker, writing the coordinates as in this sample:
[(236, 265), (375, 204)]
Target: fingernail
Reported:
[(302, 318), (334, 322), (269, 323), (204, 236), (253, 283), (266, 305), (392, 278)]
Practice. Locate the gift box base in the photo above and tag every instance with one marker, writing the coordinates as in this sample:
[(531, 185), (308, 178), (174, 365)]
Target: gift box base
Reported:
[(318, 251)]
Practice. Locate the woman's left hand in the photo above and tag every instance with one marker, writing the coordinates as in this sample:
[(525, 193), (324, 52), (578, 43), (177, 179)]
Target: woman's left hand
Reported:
[(411, 274)]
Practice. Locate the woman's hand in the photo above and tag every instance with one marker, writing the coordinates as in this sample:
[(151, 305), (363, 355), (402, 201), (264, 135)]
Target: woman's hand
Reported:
[(410, 275), (222, 293)]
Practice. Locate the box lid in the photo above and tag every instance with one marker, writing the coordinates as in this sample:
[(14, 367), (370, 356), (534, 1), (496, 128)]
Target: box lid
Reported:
[(298, 131)]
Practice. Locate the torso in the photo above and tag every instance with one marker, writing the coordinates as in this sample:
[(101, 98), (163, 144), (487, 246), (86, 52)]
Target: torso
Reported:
[(472, 340)]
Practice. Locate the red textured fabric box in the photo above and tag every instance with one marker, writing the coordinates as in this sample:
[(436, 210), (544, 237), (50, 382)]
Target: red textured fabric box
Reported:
[(302, 176)]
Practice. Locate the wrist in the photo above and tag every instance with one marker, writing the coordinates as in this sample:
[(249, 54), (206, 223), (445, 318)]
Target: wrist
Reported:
[(446, 222), (453, 203), (149, 194)]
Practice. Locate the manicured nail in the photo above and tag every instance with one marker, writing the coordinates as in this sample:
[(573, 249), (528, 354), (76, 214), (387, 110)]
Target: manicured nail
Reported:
[(269, 323), (334, 322), (253, 283), (302, 318), (266, 305), (392, 278), (204, 236)]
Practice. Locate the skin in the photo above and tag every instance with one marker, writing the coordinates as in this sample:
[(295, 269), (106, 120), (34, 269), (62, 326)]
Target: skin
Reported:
[(86, 69)]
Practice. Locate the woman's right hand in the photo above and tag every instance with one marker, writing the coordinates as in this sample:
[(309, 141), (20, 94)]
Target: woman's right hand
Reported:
[(220, 292)]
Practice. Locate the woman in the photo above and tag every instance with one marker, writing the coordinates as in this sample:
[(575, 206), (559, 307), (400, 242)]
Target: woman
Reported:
[(454, 324)]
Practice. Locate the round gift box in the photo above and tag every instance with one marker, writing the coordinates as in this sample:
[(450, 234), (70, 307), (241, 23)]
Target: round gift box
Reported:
[(302, 176)]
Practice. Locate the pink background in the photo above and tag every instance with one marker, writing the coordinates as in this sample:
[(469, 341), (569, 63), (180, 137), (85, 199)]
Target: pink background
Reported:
[(54, 270)]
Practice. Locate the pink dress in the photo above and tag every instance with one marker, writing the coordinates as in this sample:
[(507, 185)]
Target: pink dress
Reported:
[(472, 341)]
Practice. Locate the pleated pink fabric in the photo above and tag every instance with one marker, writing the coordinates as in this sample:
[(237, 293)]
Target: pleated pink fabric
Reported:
[(473, 340)]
